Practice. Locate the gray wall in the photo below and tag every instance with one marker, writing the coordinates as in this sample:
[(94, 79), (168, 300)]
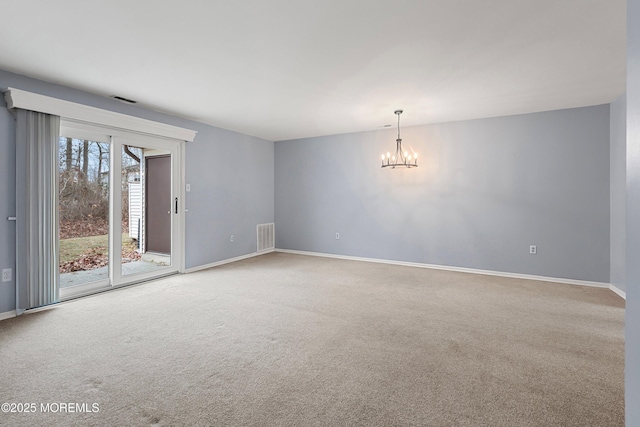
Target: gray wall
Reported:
[(232, 190), (618, 193), (484, 191), (632, 312), (231, 177)]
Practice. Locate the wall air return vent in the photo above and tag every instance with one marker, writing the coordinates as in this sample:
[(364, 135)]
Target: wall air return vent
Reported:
[(266, 237)]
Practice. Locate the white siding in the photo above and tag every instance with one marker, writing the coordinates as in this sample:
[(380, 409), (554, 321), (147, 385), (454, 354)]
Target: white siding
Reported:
[(135, 208)]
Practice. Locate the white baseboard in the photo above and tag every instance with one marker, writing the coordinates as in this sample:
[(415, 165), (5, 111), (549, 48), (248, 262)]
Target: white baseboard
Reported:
[(8, 315), (226, 261), (613, 288), (461, 270), (622, 294)]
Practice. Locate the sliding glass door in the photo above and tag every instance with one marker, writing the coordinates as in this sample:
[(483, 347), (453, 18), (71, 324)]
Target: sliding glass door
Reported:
[(119, 208)]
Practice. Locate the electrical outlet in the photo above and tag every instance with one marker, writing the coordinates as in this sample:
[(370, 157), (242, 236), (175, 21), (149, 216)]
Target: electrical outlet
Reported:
[(6, 274), (232, 238), (533, 249), (337, 236)]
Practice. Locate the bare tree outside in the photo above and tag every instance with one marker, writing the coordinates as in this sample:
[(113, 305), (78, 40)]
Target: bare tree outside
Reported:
[(83, 175)]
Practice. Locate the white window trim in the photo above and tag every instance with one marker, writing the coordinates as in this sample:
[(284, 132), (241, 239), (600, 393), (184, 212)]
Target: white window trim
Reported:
[(17, 98)]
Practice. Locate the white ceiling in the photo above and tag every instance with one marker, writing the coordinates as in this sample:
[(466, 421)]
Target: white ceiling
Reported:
[(284, 69)]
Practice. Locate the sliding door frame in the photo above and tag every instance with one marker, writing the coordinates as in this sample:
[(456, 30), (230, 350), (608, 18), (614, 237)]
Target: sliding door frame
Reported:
[(117, 138)]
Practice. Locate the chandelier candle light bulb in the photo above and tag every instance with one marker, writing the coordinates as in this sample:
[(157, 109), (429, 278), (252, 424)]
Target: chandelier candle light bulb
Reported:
[(401, 158)]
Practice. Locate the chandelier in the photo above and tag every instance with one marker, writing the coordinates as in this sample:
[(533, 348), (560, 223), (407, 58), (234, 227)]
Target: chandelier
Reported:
[(401, 158)]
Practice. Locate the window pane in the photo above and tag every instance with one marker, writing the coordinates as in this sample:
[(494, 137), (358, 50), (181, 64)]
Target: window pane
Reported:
[(83, 197)]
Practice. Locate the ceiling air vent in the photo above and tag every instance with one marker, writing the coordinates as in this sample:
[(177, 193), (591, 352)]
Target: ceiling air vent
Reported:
[(266, 237), (125, 100)]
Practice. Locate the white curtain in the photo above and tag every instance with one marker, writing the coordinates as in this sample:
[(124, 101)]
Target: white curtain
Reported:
[(36, 209)]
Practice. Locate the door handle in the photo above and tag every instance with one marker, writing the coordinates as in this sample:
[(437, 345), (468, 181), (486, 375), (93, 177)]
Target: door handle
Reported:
[(176, 205)]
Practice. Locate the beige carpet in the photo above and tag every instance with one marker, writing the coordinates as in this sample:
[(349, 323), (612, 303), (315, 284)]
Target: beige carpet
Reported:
[(288, 340)]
